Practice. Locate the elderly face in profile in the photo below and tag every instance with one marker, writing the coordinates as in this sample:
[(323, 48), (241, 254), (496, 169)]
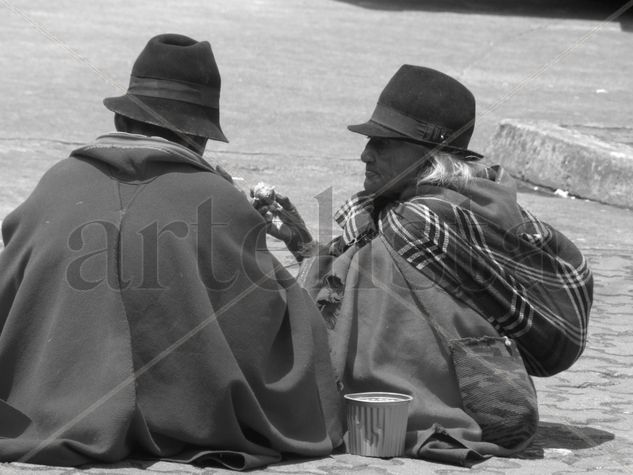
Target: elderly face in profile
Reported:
[(391, 165)]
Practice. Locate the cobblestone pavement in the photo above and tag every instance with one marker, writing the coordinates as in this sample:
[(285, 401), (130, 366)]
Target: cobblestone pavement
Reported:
[(294, 73)]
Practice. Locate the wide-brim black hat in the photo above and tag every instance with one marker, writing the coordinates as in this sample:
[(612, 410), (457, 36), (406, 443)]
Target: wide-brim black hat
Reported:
[(426, 106), (175, 84)]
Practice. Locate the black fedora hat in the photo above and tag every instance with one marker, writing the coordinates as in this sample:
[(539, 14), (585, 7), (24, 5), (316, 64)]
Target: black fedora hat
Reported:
[(424, 105), (175, 84)]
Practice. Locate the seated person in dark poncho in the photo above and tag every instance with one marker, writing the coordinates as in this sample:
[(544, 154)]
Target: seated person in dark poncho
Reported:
[(441, 285), (141, 313)]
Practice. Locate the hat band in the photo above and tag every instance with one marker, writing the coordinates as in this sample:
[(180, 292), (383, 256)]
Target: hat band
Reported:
[(416, 129), (200, 94)]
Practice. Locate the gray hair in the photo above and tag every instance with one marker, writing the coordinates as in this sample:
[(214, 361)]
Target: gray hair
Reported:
[(445, 169)]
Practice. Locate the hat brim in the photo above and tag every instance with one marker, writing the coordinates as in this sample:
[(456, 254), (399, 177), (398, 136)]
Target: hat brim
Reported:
[(183, 117), (374, 129)]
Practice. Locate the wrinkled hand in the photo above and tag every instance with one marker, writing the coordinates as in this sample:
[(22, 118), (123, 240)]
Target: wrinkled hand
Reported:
[(284, 223)]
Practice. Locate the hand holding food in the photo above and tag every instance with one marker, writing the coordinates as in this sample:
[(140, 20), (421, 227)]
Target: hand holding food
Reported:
[(263, 193), (284, 221)]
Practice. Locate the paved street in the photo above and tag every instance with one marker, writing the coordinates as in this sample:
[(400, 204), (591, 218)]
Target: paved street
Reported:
[(295, 73)]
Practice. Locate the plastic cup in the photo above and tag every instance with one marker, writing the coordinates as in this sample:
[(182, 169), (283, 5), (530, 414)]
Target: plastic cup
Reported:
[(377, 423)]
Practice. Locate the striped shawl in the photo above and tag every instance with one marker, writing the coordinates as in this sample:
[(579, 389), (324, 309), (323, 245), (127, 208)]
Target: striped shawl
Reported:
[(525, 277)]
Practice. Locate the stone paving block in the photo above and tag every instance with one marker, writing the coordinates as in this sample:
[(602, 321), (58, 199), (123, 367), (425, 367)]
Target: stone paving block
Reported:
[(589, 162)]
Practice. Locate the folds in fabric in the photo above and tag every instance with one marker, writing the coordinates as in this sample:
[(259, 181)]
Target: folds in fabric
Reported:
[(14, 422), (382, 341), (142, 314), (408, 277)]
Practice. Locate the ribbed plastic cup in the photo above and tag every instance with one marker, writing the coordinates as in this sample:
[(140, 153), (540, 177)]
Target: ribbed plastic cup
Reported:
[(377, 423)]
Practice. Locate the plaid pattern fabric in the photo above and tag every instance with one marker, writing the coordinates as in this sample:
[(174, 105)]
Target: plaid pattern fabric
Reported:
[(530, 282), (355, 217)]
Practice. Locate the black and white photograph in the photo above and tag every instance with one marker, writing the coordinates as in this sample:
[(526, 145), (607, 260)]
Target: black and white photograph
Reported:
[(317, 237)]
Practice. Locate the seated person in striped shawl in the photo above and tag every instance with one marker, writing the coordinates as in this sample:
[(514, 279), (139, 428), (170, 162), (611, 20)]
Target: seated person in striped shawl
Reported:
[(441, 286)]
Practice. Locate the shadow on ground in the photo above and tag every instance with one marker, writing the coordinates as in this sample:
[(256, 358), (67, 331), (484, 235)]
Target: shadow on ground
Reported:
[(564, 436), (612, 10)]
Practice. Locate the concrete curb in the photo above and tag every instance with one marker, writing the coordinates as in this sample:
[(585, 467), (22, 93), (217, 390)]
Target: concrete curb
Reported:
[(564, 158)]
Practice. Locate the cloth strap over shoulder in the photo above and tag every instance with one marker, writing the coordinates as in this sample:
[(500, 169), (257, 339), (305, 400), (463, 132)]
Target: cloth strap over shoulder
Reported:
[(495, 388)]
